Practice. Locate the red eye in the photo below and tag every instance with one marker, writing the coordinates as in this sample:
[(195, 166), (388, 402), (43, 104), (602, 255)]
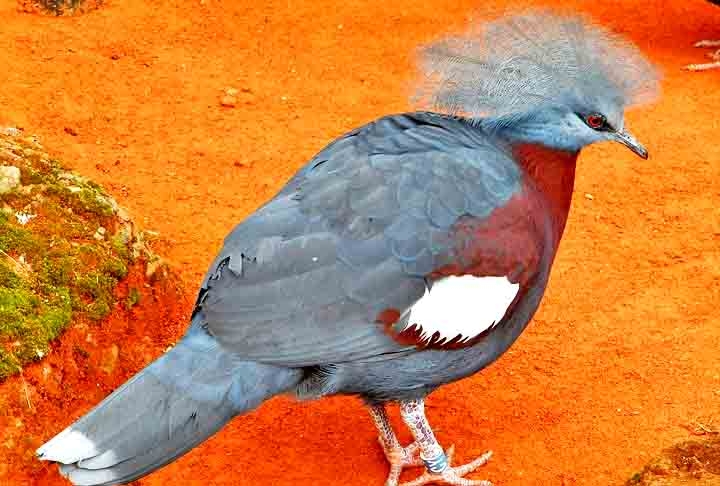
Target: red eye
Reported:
[(595, 121)]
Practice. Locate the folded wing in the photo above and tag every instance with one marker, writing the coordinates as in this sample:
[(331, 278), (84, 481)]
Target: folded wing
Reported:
[(308, 278)]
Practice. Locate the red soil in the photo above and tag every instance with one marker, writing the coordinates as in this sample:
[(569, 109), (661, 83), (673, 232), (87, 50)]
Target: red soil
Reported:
[(624, 351)]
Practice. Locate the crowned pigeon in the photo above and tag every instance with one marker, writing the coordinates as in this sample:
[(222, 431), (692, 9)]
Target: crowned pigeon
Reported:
[(407, 254), (715, 56)]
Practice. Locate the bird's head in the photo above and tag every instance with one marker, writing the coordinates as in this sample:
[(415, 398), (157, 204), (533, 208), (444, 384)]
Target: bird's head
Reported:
[(539, 77)]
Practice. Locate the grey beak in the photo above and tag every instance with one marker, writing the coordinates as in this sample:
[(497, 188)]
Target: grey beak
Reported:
[(630, 142)]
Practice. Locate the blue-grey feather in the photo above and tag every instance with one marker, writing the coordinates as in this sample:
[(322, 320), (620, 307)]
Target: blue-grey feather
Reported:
[(165, 410), (518, 63), (385, 205)]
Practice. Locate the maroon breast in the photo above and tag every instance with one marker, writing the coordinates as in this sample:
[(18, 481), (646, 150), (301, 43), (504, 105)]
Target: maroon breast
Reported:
[(517, 241)]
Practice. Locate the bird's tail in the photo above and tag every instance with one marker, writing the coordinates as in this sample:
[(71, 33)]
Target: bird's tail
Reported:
[(165, 410)]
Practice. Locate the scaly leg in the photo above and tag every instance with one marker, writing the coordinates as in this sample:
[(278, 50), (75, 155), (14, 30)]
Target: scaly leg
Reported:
[(436, 461), (715, 56), (399, 457)]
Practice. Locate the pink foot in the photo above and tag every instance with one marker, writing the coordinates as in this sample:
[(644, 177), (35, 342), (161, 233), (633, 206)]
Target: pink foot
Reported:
[(452, 476), (400, 458), (708, 43), (715, 56)]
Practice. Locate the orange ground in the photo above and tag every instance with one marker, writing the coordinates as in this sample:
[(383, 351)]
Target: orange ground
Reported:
[(624, 351)]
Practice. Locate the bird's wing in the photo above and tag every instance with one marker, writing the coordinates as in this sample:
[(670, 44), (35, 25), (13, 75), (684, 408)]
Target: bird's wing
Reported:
[(307, 278)]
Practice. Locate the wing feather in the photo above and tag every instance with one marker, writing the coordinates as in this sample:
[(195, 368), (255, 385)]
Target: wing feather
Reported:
[(353, 234)]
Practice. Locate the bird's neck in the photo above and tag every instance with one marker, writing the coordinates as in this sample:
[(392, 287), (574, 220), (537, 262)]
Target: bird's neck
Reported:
[(553, 172)]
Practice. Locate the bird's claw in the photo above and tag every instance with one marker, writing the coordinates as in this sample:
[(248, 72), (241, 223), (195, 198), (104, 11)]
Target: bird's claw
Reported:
[(403, 456), (708, 43), (703, 67), (713, 55), (453, 476), (400, 458)]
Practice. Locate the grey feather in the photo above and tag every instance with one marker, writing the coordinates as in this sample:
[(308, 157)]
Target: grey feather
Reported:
[(353, 234), (515, 64)]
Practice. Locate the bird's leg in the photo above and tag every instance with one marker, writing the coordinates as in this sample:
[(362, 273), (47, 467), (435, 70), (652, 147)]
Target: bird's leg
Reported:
[(398, 456), (437, 463)]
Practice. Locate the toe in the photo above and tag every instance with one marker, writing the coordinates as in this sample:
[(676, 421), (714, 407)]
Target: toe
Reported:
[(394, 476), (400, 458), (453, 476), (471, 466), (412, 456), (707, 43), (450, 453)]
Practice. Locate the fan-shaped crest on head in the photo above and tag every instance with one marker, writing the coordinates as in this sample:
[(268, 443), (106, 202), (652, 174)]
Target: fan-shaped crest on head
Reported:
[(524, 61)]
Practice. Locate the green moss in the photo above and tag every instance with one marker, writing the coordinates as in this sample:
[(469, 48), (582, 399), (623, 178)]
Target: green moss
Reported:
[(57, 270), (8, 278), (15, 305), (120, 246), (29, 322), (39, 169), (89, 201), (98, 310), (60, 7), (81, 200), (115, 267), (53, 270), (133, 298), (59, 314), (9, 364), (96, 187), (14, 238), (98, 287), (31, 177), (88, 251), (60, 221)]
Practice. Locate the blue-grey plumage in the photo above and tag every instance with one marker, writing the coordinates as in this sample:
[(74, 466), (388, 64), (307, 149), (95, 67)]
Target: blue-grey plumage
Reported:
[(332, 286)]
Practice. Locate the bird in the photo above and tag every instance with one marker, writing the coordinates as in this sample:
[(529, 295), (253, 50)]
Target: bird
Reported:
[(715, 56), (407, 254)]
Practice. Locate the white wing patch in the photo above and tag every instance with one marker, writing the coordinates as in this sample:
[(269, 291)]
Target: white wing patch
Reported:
[(462, 306), (67, 447)]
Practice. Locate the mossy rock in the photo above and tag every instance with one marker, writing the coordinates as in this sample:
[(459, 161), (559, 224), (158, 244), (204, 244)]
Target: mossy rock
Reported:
[(59, 7), (64, 246), (690, 463)]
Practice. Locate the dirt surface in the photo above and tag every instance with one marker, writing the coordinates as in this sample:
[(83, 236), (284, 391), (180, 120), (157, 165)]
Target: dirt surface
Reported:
[(623, 352)]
